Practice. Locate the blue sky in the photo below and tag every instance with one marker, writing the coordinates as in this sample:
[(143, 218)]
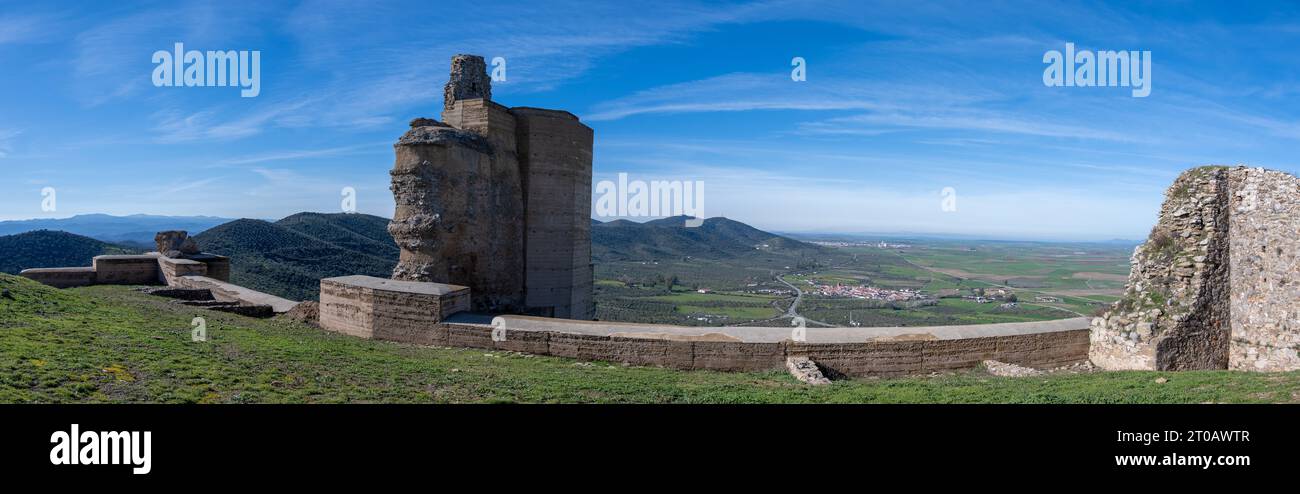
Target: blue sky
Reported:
[(902, 99)]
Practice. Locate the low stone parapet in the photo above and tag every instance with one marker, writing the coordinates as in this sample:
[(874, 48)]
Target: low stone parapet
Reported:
[(845, 352), (169, 269), (126, 269), (61, 277), (228, 292)]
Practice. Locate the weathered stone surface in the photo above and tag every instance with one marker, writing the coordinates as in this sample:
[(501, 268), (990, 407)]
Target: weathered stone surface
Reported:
[(175, 243), (1003, 369), (1264, 229), (259, 311), (171, 268), (805, 370), (61, 277), (555, 150), (126, 269), (1214, 285), (459, 216), (393, 310), (497, 199), (426, 122), (228, 292), (469, 80), (180, 293), (863, 359)]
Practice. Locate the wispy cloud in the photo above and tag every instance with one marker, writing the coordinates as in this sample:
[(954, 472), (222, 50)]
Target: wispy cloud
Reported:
[(401, 67), (6, 136), (962, 120), (173, 126), (27, 28), (776, 91), (300, 154)]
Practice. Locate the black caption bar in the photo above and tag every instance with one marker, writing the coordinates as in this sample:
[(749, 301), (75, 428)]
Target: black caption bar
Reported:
[(108, 443)]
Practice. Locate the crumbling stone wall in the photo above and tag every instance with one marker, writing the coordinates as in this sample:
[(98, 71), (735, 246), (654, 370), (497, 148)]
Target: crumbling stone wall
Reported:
[(459, 216), (1265, 299), (469, 80), (1212, 272)]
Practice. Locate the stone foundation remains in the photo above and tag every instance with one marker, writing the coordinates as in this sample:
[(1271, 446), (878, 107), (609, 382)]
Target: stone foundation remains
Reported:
[(1215, 286), (186, 268)]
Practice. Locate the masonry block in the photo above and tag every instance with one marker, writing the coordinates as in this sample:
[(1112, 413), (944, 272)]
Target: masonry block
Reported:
[(383, 309)]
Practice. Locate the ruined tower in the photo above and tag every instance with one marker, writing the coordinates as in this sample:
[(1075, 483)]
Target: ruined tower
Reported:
[(496, 199), (1214, 286)]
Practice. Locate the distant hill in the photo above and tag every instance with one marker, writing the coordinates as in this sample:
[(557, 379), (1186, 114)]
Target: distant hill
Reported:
[(136, 230), (51, 249), (717, 238), (290, 256)]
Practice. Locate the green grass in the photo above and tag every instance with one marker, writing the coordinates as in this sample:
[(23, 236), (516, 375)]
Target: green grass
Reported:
[(734, 313), (689, 297), (111, 344)]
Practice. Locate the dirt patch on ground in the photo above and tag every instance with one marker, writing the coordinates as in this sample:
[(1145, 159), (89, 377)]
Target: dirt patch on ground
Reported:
[(955, 272), (305, 312), (1084, 292), (1093, 275)]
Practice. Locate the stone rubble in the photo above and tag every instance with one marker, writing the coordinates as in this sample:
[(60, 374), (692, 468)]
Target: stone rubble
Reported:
[(806, 371), (1003, 369), (175, 244)]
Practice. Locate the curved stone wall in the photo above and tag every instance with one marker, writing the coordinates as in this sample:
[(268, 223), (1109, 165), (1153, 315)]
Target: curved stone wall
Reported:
[(851, 352)]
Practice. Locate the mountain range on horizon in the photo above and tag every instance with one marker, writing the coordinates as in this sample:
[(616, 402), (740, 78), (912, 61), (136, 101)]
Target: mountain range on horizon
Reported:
[(288, 257), (135, 231)]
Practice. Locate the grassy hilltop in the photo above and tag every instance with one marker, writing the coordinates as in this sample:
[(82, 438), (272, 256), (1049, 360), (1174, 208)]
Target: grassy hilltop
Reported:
[(112, 344)]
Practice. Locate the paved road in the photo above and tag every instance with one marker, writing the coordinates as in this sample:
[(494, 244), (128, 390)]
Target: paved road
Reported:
[(793, 311)]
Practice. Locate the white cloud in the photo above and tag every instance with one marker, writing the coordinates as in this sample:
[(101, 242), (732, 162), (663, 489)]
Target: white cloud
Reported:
[(6, 138), (173, 126), (302, 153), (785, 202), (776, 91), (27, 28)]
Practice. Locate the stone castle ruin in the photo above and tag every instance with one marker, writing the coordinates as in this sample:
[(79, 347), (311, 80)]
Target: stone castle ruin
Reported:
[(493, 224), (492, 219), (1217, 285), (497, 199)]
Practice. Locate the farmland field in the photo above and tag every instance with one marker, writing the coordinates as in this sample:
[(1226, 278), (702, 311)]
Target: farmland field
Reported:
[(968, 282)]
